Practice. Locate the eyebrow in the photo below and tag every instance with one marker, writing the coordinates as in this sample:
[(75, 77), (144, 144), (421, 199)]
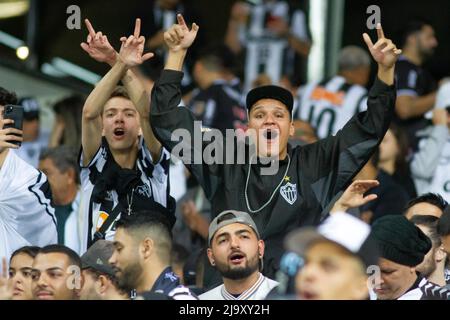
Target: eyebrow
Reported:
[(54, 268), (26, 268), (238, 232), (116, 109), (241, 231), (278, 108)]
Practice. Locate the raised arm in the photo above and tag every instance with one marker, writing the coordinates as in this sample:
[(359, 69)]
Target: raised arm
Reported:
[(335, 161), (385, 53), (179, 38), (170, 120), (91, 124), (101, 50)]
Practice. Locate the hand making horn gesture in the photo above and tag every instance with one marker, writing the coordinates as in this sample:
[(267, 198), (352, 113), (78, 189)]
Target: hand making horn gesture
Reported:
[(132, 49), (178, 37), (98, 46), (384, 51)]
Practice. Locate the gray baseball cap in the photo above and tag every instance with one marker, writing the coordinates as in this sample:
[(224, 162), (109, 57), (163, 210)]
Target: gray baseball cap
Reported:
[(97, 257), (228, 217)]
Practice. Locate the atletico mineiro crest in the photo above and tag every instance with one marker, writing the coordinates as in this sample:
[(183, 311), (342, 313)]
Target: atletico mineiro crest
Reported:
[(289, 192)]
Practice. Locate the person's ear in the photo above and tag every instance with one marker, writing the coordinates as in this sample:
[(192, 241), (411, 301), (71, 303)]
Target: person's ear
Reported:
[(101, 285), (291, 128), (440, 254), (211, 257), (147, 246), (261, 248), (414, 39), (71, 175)]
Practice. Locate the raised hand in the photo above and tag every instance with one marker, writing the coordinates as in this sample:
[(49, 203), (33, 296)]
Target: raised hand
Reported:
[(353, 196), (98, 46), (9, 134), (384, 51), (179, 37), (6, 291), (132, 49)]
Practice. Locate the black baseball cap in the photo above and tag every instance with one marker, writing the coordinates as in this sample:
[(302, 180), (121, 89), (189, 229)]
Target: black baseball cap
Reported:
[(97, 257), (270, 92)]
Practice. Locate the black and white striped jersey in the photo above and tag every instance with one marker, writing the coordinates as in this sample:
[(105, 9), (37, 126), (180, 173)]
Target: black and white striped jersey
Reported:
[(150, 191), (426, 290), (267, 52), (329, 104), (26, 214)]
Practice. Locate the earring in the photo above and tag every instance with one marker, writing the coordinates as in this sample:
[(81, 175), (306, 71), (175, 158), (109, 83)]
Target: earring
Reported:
[(213, 263)]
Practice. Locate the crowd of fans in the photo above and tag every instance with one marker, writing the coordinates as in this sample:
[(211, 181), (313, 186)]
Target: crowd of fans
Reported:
[(100, 208)]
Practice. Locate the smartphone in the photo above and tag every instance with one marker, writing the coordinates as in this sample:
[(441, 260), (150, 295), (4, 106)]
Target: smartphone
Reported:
[(15, 113)]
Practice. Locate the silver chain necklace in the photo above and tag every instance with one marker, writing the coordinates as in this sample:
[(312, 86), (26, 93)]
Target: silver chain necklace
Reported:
[(130, 203), (273, 194)]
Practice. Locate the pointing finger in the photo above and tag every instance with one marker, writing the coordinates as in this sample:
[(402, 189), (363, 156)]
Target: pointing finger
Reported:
[(367, 40), (89, 27), (380, 31), (181, 21), (137, 28)]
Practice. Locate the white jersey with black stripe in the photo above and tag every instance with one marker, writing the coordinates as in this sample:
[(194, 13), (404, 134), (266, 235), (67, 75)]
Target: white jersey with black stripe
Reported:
[(258, 291), (328, 105), (154, 185), (26, 215)]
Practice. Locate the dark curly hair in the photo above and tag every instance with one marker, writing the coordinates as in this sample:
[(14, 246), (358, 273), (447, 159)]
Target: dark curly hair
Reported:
[(7, 97)]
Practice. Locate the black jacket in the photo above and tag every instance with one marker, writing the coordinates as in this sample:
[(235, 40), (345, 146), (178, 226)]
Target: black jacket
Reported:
[(317, 174)]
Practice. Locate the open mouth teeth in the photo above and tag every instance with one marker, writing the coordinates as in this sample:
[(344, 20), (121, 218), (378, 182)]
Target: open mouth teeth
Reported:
[(119, 132), (270, 134), (236, 257)]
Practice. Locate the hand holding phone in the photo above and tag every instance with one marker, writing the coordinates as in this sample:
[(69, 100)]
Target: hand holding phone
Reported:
[(11, 124)]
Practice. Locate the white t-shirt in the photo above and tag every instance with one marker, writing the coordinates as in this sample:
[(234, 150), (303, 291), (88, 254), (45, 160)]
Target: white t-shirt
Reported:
[(258, 291), (26, 215), (30, 151)]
